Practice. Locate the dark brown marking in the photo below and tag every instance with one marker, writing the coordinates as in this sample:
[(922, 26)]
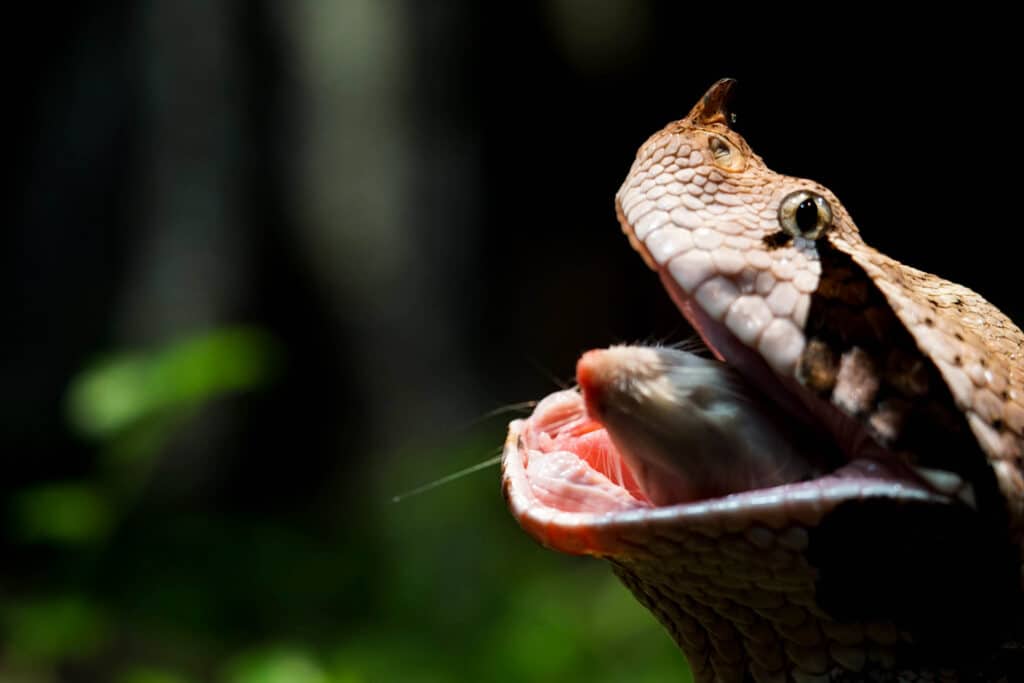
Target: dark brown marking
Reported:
[(777, 239), (906, 373), (818, 367), (881, 321), (912, 413)]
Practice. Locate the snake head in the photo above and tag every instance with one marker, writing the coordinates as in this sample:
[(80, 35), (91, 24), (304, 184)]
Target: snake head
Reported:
[(736, 243), (771, 271)]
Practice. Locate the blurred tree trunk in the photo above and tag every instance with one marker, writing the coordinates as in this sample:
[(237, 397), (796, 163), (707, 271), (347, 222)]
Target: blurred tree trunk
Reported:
[(189, 267), (386, 190), (190, 263)]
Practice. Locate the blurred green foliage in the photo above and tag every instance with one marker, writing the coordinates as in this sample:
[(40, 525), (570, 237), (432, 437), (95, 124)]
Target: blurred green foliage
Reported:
[(61, 512), (441, 587), (276, 665), (49, 629), (118, 392), (149, 675)]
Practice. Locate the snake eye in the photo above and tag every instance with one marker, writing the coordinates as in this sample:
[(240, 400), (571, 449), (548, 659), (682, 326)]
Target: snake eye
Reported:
[(805, 214)]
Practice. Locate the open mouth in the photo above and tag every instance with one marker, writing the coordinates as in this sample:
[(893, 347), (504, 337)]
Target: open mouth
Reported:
[(571, 487), (575, 476)]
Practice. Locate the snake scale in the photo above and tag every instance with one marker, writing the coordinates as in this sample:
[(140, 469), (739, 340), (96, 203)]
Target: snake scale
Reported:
[(902, 561)]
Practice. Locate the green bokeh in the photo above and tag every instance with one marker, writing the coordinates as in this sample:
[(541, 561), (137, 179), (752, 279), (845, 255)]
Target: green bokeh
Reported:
[(125, 389), (276, 665), (62, 512), (47, 629), (144, 674), (440, 587)]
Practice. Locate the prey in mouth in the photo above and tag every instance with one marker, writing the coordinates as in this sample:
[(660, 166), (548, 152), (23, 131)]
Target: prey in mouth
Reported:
[(689, 428), (837, 491), (823, 365)]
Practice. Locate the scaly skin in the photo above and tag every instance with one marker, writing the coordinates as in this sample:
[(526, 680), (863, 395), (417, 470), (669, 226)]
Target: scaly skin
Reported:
[(876, 573)]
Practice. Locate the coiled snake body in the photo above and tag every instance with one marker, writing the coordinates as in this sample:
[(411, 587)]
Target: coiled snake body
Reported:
[(902, 561)]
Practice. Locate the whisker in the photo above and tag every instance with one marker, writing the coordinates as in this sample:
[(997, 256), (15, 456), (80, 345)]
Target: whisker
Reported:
[(550, 376), (522, 407), (691, 344), (448, 478)]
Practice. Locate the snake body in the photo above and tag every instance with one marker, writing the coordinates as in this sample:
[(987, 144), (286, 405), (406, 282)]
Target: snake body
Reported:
[(902, 563)]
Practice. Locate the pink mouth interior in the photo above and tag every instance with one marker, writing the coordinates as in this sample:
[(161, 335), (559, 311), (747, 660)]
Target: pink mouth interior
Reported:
[(568, 464), (571, 462)]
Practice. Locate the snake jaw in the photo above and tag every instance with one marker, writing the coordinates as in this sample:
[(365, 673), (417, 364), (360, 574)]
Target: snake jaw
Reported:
[(567, 485)]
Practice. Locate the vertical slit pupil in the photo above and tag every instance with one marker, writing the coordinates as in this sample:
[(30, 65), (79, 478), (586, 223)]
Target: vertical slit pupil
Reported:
[(807, 215)]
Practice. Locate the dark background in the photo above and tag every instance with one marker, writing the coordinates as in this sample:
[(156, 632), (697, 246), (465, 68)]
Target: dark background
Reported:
[(401, 214)]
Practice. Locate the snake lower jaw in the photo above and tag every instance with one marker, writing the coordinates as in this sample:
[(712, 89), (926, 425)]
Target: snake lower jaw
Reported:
[(569, 487)]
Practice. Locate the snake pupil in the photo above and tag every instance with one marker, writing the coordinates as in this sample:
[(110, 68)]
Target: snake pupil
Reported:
[(807, 216)]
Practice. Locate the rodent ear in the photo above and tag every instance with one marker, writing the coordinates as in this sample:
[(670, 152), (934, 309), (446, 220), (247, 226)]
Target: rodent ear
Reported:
[(712, 108)]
